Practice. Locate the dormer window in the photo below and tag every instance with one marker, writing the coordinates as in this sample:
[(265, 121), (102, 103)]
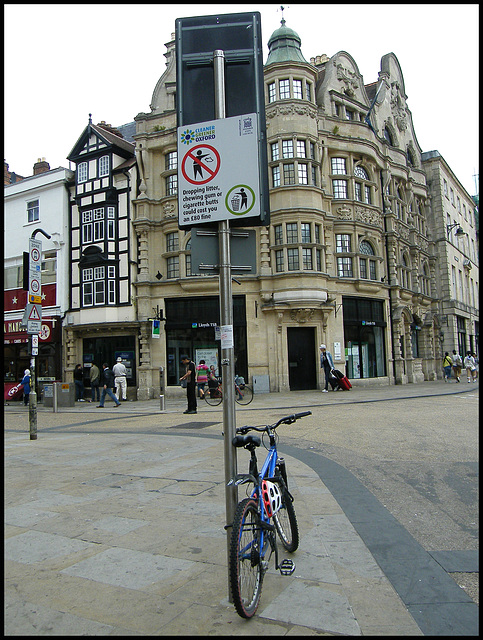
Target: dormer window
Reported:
[(104, 166)]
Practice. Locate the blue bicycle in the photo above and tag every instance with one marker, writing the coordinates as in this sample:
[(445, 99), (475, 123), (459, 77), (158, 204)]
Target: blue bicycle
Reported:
[(268, 510)]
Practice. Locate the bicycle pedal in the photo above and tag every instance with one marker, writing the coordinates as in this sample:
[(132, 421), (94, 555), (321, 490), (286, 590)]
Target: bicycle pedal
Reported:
[(287, 567)]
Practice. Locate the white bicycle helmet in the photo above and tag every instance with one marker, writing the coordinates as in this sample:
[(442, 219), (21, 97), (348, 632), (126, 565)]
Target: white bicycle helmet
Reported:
[(271, 496)]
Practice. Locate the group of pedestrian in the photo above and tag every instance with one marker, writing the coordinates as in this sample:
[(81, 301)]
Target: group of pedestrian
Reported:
[(197, 377), (454, 364), (107, 380)]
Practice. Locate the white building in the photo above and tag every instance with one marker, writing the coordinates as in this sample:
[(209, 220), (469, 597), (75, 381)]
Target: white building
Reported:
[(40, 201)]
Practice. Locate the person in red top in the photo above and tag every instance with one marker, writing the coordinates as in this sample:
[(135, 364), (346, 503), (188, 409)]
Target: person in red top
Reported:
[(202, 377)]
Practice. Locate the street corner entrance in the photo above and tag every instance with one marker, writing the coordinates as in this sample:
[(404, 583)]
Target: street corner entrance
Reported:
[(240, 199)]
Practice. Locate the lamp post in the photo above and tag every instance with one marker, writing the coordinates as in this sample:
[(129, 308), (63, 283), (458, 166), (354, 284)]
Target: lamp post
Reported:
[(459, 231)]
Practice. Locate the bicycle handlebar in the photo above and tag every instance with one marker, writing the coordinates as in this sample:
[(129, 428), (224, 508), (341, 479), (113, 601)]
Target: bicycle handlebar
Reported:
[(271, 427)]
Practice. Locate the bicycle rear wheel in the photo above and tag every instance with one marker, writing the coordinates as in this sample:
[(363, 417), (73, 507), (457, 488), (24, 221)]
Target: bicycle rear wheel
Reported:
[(285, 522), (213, 396), (245, 566), (245, 396)]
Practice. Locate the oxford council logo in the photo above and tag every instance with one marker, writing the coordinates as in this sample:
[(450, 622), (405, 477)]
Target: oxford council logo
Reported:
[(188, 136)]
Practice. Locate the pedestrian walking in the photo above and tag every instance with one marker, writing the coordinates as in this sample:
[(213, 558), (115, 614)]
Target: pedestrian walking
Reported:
[(470, 366), (201, 377), (26, 386), (120, 379), (190, 377), (79, 383), (447, 365), (95, 378), (107, 386), (327, 364), (457, 364)]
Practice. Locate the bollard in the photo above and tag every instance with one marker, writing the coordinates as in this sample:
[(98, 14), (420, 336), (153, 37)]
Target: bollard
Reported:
[(54, 396), (161, 388)]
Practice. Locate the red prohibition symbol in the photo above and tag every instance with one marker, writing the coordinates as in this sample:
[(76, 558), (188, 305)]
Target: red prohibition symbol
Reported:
[(202, 157)]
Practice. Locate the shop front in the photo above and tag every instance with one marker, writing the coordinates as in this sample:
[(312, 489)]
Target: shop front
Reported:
[(17, 352), (364, 337), (191, 325), (100, 349)]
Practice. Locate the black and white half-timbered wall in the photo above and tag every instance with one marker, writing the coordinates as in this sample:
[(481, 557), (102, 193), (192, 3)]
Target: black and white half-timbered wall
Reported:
[(101, 322)]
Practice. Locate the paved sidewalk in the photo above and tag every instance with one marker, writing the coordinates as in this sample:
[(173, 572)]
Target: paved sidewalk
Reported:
[(121, 533)]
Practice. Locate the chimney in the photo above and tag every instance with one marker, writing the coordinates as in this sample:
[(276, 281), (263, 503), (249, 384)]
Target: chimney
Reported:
[(41, 166)]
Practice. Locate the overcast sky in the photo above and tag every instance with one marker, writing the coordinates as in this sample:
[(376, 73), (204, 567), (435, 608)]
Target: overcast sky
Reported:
[(64, 61)]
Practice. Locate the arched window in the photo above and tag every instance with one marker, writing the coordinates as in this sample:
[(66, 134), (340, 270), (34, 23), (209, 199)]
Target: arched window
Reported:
[(405, 272), (367, 266), (362, 190)]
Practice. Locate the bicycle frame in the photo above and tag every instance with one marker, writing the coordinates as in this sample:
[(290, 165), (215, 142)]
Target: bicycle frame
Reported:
[(268, 471)]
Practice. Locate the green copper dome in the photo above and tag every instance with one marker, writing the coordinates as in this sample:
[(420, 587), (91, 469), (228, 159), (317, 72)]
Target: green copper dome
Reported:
[(284, 46)]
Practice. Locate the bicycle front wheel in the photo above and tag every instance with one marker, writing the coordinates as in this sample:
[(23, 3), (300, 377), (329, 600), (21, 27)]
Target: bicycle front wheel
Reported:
[(245, 395), (213, 396), (245, 566), (285, 522)]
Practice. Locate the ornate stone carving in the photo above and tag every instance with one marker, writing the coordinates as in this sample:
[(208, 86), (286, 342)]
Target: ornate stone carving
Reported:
[(369, 216), (348, 78), (301, 315), (169, 210), (398, 106), (344, 212)]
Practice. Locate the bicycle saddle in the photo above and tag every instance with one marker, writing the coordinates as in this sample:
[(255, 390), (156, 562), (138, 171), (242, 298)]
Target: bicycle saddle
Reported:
[(246, 441)]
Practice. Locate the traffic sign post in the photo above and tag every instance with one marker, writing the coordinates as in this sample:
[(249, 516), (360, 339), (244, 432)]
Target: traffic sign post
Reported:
[(222, 163), (33, 318), (239, 36)]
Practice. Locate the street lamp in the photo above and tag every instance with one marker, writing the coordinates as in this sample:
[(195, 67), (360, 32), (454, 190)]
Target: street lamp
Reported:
[(459, 231)]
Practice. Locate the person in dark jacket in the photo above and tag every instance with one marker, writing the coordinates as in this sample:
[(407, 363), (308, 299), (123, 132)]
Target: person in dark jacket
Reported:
[(108, 385), (79, 383), (190, 377), (327, 364), (26, 386)]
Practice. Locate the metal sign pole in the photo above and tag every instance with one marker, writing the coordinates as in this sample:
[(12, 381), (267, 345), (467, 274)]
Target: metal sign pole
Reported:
[(226, 320)]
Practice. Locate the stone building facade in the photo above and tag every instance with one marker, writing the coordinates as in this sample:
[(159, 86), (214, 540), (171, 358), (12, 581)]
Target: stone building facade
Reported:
[(348, 258)]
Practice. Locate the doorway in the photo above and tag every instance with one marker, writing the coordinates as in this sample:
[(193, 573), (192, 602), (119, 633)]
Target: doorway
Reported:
[(302, 372)]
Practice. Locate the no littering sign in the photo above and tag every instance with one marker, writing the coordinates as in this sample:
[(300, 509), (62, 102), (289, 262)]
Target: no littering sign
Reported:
[(218, 175)]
